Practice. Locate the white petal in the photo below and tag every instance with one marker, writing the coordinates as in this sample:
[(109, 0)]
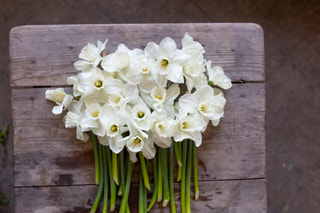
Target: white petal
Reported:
[(82, 65), (147, 84), (172, 93), (205, 91), (167, 48), (81, 135), (148, 150), (190, 46), (180, 57), (175, 74), (197, 138), (152, 50), (215, 122), (133, 156), (135, 147), (189, 83), (163, 142), (116, 144), (57, 109), (187, 104), (89, 52), (103, 140), (180, 136)]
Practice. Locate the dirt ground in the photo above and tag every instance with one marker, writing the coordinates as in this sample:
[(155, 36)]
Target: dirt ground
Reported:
[(292, 49)]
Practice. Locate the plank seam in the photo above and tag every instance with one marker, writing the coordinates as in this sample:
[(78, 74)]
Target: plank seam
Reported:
[(200, 181)]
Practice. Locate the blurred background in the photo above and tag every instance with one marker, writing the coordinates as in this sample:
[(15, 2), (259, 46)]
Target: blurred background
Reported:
[(292, 68)]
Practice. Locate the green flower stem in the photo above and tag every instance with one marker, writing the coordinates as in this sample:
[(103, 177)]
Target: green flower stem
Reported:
[(115, 168), (144, 171), (113, 187), (120, 191), (183, 177), (127, 189), (105, 180), (124, 178), (171, 186), (145, 199), (128, 208), (177, 148), (177, 151), (160, 187), (164, 165), (122, 174), (179, 174), (195, 172), (141, 193), (155, 182), (188, 176), (100, 189), (96, 157)]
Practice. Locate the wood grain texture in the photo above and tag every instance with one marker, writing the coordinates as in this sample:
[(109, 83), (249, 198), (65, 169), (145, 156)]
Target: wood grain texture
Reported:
[(241, 196), (44, 151), (44, 55), (56, 170)]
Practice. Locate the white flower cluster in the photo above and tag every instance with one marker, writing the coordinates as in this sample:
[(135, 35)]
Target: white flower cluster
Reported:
[(133, 98)]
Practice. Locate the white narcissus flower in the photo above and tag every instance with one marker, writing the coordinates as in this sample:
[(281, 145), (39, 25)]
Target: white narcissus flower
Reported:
[(140, 117), (147, 82), (161, 99), (137, 142), (217, 77), (128, 95), (131, 98), (74, 119), (162, 128), (168, 59), (190, 46), (210, 107), (94, 82), (117, 61), (189, 127), (91, 56), (60, 98), (193, 68)]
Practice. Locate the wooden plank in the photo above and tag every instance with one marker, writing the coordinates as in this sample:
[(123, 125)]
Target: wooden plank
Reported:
[(245, 196), (44, 55), (45, 153)]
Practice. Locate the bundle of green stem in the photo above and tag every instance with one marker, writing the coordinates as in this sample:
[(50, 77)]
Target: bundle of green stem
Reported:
[(113, 175)]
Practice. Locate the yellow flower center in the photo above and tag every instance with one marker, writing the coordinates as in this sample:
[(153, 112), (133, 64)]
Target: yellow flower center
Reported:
[(98, 83), (145, 70), (140, 114), (137, 141), (114, 128), (95, 114), (159, 97), (184, 125), (164, 62), (203, 108), (160, 127)]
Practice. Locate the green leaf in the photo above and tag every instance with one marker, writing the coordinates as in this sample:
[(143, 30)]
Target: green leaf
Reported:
[(3, 199), (4, 133)]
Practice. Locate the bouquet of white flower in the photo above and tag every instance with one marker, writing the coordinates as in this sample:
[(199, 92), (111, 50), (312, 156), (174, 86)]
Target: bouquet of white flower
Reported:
[(147, 101)]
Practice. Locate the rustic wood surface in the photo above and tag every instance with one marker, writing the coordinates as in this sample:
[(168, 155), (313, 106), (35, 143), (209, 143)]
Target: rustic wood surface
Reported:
[(44, 55), (45, 152), (239, 196), (57, 170)]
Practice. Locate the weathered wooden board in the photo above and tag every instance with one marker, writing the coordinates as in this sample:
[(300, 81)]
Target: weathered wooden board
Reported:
[(44, 55), (55, 169), (241, 196), (46, 152)]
